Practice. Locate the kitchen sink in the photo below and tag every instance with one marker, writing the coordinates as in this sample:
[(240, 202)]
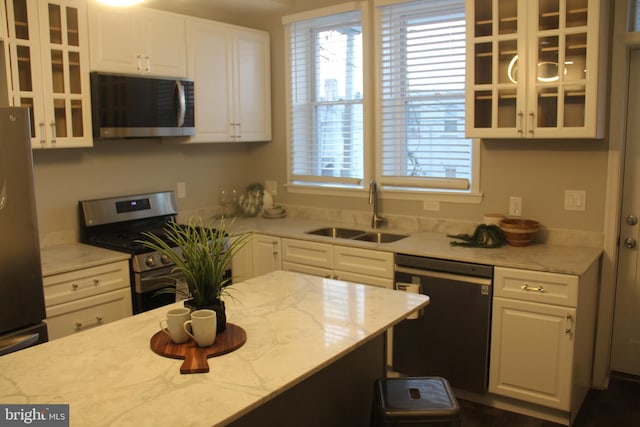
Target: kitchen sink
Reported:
[(378, 237), (354, 234), (336, 232)]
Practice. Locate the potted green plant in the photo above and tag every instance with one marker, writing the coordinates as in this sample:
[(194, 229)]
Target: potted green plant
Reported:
[(203, 255)]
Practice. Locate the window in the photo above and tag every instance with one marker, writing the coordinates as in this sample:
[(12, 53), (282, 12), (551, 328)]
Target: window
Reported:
[(422, 96), (326, 99), (420, 116), (635, 15)]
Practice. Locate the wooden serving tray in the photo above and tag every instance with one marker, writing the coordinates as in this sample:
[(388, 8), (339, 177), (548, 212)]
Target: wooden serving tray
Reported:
[(195, 358)]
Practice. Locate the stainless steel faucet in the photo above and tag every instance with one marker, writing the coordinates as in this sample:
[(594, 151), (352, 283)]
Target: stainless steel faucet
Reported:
[(373, 200)]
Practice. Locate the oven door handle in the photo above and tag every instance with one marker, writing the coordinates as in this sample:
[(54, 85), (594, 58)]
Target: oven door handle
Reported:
[(441, 275), (157, 282)]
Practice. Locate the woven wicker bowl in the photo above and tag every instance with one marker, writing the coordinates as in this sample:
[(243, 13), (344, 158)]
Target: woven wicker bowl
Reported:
[(519, 232)]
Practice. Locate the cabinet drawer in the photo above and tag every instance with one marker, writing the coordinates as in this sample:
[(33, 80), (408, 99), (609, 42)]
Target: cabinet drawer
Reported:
[(66, 287), (308, 253), (380, 282), (536, 286), (307, 269), (76, 316), (363, 261)]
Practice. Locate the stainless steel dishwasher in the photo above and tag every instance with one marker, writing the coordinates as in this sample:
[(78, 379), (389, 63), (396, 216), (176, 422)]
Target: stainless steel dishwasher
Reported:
[(450, 338)]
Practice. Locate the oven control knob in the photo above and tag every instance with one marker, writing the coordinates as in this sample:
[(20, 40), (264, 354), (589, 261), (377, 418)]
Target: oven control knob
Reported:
[(164, 259), (150, 261)]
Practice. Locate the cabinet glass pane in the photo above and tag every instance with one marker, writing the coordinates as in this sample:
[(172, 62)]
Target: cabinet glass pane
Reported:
[(508, 15), (635, 16), (57, 71), (547, 64), (75, 85), (484, 18), (483, 108), (549, 15), (508, 65), (507, 112), (55, 24), (20, 18), (574, 106), (77, 126), (24, 68), (28, 102), (60, 113), (575, 57), (72, 27), (547, 107), (483, 66), (577, 13)]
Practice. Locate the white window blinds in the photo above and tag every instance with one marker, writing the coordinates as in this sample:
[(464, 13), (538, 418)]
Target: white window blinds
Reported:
[(422, 94), (325, 100)]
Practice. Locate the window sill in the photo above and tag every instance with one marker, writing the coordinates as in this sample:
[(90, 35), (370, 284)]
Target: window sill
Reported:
[(425, 196)]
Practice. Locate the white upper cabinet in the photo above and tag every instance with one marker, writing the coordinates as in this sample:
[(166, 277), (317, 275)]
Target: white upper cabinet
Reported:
[(49, 69), (137, 40), (535, 68), (230, 68)]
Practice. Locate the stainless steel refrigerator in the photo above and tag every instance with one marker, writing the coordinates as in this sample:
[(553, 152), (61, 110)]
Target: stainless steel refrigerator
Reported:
[(22, 308)]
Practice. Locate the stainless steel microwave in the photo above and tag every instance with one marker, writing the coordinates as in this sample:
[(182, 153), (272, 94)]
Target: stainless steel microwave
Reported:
[(125, 106)]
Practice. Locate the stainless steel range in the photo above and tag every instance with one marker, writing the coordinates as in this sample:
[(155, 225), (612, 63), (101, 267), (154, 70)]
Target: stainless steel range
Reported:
[(117, 223)]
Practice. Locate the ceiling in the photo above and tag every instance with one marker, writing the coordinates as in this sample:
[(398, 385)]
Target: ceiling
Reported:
[(192, 7)]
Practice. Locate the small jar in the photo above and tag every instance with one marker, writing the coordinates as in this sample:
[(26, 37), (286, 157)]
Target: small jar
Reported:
[(492, 218)]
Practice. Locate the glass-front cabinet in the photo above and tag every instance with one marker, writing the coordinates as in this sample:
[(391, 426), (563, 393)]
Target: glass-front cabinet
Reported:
[(534, 68), (48, 49)]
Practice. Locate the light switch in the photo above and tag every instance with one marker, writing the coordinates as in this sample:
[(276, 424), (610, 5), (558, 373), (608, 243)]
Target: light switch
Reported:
[(181, 190), (515, 206), (575, 200)]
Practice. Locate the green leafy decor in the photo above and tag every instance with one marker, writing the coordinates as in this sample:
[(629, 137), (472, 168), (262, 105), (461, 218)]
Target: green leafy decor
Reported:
[(203, 256)]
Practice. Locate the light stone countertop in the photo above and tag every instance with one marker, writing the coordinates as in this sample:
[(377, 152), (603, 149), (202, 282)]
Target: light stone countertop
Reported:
[(541, 257), (568, 259), (109, 376), (76, 256)]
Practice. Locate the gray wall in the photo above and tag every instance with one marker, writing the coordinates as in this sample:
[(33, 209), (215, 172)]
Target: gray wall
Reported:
[(538, 171)]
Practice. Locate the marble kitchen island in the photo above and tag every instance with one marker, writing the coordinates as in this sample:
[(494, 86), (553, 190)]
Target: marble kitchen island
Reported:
[(313, 346)]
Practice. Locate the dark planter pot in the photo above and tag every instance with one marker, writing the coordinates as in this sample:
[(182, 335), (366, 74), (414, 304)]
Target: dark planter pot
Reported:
[(217, 306)]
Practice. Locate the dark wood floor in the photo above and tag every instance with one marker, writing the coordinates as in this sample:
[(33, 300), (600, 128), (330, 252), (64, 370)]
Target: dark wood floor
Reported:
[(618, 406)]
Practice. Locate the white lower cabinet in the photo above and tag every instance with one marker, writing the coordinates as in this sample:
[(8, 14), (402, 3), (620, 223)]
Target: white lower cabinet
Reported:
[(261, 255), (86, 298), (266, 254), (543, 327)]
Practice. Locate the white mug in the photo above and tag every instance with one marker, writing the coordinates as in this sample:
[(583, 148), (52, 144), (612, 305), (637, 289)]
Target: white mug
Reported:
[(203, 325), (173, 324)]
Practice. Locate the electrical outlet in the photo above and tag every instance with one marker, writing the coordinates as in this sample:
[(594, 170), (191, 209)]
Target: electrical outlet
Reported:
[(515, 206), (181, 190), (271, 187), (431, 205), (575, 200)]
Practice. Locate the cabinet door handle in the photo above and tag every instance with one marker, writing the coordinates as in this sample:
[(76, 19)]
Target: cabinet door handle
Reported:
[(148, 62), (568, 328), (532, 122), (528, 288), (53, 132), (97, 321), (43, 141), (139, 58), (520, 115)]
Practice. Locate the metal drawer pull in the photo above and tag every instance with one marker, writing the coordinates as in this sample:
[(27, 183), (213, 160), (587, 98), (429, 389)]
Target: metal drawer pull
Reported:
[(80, 325), (532, 288), (75, 286)]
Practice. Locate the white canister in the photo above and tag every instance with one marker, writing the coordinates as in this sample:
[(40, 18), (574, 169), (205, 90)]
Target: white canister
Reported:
[(492, 218)]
